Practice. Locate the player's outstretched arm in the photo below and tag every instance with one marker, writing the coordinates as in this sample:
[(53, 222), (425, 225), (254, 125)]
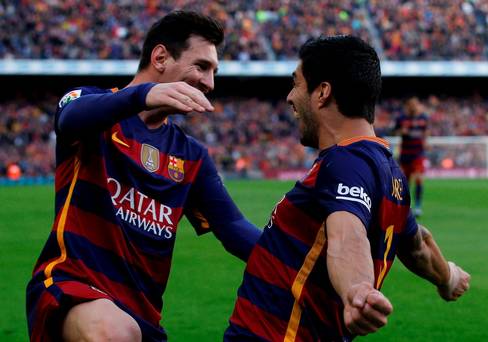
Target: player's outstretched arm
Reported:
[(351, 273), (96, 112), (210, 207), (421, 255)]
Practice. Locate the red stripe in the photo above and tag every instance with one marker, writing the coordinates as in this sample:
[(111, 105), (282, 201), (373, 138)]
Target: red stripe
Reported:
[(392, 213), (288, 217), (190, 167), (44, 309), (259, 322), (64, 173), (303, 335), (93, 170), (133, 299), (111, 237), (328, 310), (81, 292), (311, 178), (269, 268)]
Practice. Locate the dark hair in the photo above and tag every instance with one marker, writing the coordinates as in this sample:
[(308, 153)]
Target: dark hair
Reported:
[(173, 31), (351, 66)]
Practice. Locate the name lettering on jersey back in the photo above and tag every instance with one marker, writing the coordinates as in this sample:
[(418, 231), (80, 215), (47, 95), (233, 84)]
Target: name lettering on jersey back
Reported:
[(141, 211), (397, 188), (355, 194)]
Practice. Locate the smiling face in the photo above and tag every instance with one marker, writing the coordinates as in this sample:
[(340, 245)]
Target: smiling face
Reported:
[(300, 100), (197, 65)]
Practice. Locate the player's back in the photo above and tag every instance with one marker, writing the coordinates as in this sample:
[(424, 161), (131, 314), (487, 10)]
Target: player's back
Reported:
[(413, 130), (286, 289)]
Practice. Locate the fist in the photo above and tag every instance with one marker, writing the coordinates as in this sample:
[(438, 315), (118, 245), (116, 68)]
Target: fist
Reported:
[(366, 309), (457, 285)]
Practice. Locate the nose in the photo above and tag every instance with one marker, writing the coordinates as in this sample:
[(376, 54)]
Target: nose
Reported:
[(207, 82), (288, 98)]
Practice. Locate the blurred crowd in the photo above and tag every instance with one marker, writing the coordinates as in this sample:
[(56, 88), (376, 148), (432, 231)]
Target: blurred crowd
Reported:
[(27, 138), (246, 137), (255, 29), (432, 29)]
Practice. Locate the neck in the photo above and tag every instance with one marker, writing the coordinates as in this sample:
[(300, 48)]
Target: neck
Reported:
[(341, 128)]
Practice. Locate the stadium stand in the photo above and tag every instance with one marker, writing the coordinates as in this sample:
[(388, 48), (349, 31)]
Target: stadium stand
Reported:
[(246, 137), (255, 30)]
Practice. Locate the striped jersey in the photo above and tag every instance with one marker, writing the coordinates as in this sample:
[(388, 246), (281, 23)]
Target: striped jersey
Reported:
[(120, 194), (286, 294), (413, 132)]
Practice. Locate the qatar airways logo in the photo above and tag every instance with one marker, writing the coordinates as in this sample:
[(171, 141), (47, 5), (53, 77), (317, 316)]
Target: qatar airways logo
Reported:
[(140, 211), (354, 194)]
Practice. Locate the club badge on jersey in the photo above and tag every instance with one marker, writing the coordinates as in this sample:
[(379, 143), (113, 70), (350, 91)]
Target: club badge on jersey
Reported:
[(176, 168), (67, 98), (150, 157)]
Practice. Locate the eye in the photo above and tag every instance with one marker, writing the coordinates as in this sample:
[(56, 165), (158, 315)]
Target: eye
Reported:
[(202, 66)]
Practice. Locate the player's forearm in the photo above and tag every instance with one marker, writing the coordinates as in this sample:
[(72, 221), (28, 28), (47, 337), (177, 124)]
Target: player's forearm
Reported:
[(96, 112), (238, 237), (423, 257), (349, 259)]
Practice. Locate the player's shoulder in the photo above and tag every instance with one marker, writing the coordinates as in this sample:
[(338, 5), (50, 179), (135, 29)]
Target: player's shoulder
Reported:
[(77, 92), (357, 150), (353, 158), (192, 145)]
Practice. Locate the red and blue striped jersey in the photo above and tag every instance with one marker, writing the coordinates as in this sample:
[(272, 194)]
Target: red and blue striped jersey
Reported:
[(120, 194), (286, 294), (413, 131)]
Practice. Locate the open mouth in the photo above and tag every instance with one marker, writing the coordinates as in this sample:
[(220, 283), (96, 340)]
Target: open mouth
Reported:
[(295, 113)]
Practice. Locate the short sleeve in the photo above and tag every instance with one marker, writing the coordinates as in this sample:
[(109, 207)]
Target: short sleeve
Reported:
[(345, 182), (411, 226)]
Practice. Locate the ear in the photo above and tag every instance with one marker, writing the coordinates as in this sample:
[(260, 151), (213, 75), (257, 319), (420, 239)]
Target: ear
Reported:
[(159, 57), (324, 94)]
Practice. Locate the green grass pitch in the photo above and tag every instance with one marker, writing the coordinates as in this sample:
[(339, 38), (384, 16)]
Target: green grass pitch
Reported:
[(204, 279)]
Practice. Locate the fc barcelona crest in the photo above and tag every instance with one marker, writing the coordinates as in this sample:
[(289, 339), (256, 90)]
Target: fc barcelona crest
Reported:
[(176, 168), (150, 157)]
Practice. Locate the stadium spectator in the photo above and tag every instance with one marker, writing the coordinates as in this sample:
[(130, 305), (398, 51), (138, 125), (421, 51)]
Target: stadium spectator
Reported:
[(255, 30), (316, 271), (124, 178), (431, 30), (236, 124)]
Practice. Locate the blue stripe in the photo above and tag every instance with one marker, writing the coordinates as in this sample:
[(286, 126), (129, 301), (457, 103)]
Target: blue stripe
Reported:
[(174, 137), (305, 199), (235, 333), (287, 249), (93, 199), (60, 198), (267, 297), (112, 266)]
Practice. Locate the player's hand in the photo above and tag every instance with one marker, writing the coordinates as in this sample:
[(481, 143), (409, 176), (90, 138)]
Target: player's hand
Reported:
[(366, 309), (457, 285), (177, 97)]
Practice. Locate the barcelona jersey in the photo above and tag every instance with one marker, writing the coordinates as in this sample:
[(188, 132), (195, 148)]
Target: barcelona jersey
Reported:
[(120, 194), (286, 294), (413, 131)]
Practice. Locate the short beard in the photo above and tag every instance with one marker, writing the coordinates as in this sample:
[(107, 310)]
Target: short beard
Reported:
[(309, 136)]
